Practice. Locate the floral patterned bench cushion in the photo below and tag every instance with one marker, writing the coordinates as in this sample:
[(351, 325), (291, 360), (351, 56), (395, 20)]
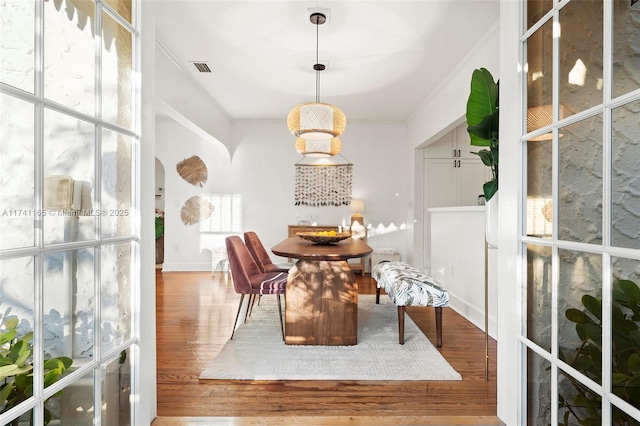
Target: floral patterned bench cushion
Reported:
[(406, 286)]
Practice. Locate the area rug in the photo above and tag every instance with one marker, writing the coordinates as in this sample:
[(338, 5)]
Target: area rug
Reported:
[(257, 351)]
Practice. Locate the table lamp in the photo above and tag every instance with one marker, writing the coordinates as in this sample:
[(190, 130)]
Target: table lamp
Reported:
[(357, 206)]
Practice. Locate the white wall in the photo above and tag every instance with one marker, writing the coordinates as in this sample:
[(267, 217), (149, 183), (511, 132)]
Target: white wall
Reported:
[(380, 178), (184, 244), (449, 102), (262, 170), (178, 89), (441, 112), (458, 264)]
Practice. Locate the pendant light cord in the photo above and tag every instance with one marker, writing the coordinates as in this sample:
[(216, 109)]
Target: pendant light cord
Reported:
[(317, 62)]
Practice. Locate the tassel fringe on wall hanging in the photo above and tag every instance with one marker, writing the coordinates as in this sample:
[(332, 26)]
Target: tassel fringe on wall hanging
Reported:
[(323, 185)]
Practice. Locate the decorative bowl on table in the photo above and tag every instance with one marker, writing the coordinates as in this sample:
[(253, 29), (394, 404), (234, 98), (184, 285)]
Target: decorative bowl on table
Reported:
[(324, 237)]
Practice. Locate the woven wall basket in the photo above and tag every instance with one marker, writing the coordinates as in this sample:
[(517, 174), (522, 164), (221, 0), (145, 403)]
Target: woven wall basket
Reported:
[(195, 210), (193, 170)]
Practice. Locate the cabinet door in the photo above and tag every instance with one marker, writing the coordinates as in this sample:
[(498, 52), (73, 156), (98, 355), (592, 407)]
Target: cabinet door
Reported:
[(471, 177), (440, 183), (463, 143), (442, 148)]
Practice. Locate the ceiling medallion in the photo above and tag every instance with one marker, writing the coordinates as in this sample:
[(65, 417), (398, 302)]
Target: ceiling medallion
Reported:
[(317, 124)]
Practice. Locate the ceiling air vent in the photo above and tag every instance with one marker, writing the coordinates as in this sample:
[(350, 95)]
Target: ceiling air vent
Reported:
[(202, 66)]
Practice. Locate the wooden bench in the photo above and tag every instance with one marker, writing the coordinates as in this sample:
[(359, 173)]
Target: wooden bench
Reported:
[(407, 286)]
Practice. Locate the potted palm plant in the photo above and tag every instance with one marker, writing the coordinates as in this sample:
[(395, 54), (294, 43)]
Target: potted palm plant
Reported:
[(483, 122), (16, 368)]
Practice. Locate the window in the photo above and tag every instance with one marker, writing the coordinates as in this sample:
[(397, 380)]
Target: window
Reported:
[(227, 214)]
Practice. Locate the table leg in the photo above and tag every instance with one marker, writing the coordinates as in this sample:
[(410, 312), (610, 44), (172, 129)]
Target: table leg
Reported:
[(321, 304)]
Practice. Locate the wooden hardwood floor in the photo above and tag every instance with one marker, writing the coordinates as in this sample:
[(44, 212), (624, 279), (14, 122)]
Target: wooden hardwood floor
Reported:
[(195, 314)]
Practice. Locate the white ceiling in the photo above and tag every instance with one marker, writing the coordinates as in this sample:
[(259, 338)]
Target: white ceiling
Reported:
[(383, 57)]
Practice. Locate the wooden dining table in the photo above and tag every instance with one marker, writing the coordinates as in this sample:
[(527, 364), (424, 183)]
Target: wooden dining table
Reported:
[(321, 299)]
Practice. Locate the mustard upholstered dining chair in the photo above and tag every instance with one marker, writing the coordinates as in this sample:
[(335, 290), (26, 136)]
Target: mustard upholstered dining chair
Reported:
[(249, 279), (260, 255)]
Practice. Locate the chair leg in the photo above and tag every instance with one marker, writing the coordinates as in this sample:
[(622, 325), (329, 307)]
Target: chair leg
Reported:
[(439, 326), (401, 311), (280, 312), (377, 295), (237, 315), (252, 301)]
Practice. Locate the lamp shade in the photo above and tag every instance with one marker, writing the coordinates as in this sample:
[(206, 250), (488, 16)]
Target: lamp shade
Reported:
[(357, 206), (357, 220), (316, 121), (323, 148)]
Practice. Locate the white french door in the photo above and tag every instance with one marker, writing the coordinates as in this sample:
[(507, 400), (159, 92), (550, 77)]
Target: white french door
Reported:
[(580, 239), (69, 216)]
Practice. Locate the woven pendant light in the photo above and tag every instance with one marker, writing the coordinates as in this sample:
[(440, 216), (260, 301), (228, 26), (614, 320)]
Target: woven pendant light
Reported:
[(316, 121), (323, 148)]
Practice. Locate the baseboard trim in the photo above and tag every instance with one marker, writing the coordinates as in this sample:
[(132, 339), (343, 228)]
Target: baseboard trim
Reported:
[(186, 267), (473, 314)]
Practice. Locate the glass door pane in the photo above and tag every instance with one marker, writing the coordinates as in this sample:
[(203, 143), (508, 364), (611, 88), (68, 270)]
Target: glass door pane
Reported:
[(538, 390), (70, 54), (539, 295), (18, 214), (625, 179), (626, 39), (581, 55), (539, 50), (69, 304), (539, 203), (116, 297), (117, 184), (580, 312), (69, 174), (625, 334), (117, 66), (17, 50), (122, 7), (580, 181)]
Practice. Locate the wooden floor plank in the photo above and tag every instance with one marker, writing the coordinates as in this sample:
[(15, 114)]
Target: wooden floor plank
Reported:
[(195, 313)]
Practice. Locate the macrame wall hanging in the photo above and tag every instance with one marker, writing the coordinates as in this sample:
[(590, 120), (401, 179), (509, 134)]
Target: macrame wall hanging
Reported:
[(323, 185)]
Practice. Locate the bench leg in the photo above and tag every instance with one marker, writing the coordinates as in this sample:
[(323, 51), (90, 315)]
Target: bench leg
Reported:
[(401, 311), (439, 326)]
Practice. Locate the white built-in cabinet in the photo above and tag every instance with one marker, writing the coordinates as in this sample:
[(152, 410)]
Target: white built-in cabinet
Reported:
[(454, 224), (455, 144), (453, 176)]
